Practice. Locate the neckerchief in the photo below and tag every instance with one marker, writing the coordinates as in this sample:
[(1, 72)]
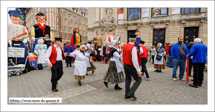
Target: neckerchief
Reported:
[(40, 26), (68, 45)]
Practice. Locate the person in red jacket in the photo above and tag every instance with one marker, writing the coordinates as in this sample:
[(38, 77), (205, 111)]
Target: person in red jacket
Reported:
[(144, 57), (131, 65), (54, 57), (167, 52)]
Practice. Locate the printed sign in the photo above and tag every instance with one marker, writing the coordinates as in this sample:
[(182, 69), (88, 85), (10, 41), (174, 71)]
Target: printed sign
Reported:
[(120, 13), (16, 52), (145, 12), (175, 10)]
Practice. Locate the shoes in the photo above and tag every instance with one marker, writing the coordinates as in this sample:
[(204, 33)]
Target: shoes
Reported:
[(55, 90), (127, 97), (147, 79), (192, 85), (132, 97), (117, 87), (174, 79), (200, 85), (86, 73), (159, 71), (79, 83), (70, 65), (92, 71), (182, 79), (106, 84), (156, 70)]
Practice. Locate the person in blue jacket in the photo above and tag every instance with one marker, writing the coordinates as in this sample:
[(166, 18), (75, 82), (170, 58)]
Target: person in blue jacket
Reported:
[(179, 54), (199, 53), (68, 49)]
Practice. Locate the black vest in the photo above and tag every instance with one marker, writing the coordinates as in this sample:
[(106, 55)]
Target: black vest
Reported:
[(39, 32)]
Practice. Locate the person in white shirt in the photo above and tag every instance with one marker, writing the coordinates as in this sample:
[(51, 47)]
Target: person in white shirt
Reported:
[(110, 38), (132, 65), (114, 74), (80, 63), (54, 57)]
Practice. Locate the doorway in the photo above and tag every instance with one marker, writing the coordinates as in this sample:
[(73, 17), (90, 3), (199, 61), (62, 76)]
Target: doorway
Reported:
[(189, 33), (158, 36)]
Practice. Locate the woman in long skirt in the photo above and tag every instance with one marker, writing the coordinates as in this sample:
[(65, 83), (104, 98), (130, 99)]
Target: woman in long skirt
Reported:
[(80, 64), (159, 63), (114, 74), (89, 60), (170, 60)]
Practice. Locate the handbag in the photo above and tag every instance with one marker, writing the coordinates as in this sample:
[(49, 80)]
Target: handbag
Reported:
[(158, 57)]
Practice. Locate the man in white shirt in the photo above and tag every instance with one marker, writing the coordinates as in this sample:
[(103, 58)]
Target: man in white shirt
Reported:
[(132, 64), (54, 57), (110, 38)]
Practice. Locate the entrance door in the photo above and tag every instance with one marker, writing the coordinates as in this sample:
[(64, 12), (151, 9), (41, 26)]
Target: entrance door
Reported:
[(158, 36), (189, 33), (131, 33)]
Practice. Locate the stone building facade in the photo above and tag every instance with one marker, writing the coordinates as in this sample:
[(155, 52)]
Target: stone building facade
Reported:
[(61, 20), (156, 25)]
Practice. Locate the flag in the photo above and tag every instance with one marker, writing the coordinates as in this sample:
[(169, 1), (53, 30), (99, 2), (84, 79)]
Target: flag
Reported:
[(33, 62), (187, 70)]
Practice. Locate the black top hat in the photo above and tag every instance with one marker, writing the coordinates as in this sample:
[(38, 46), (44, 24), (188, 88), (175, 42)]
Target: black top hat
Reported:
[(142, 42), (58, 39), (110, 30), (40, 14)]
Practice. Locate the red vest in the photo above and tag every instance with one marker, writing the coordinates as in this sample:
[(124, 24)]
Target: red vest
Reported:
[(145, 52), (109, 38), (127, 55), (53, 56)]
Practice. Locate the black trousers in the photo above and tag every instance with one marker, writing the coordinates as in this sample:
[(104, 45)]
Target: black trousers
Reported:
[(69, 61), (198, 73), (131, 71), (57, 72), (98, 57), (153, 56), (144, 70)]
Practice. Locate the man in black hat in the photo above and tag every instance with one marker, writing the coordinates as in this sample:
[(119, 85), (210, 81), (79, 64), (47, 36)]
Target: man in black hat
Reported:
[(54, 57), (110, 38), (144, 57), (132, 64)]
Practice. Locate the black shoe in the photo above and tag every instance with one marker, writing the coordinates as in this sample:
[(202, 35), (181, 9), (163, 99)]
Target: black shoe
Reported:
[(92, 71), (70, 65), (117, 87), (55, 90), (192, 85), (127, 97), (159, 71), (133, 97), (156, 70), (106, 84), (79, 83)]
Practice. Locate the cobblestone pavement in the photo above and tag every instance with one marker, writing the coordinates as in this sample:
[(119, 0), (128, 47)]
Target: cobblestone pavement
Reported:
[(160, 89)]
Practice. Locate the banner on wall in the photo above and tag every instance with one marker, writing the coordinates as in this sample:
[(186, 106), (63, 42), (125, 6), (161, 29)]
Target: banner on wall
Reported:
[(159, 12), (175, 10), (145, 12), (120, 13)]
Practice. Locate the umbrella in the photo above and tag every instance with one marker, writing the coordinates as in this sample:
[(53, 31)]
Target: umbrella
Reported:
[(187, 70)]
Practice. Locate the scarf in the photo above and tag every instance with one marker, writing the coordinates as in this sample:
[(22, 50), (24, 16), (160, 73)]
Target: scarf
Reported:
[(68, 45), (40, 26)]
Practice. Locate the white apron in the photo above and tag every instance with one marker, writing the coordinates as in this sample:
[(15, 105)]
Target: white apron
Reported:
[(159, 62)]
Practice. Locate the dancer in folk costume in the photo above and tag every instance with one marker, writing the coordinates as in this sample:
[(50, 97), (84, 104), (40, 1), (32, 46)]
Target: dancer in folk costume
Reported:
[(80, 63), (89, 60), (40, 29), (76, 37), (68, 49), (40, 50), (114, 74), (132, 64), (159, 58), (110, 38), (54, 57)]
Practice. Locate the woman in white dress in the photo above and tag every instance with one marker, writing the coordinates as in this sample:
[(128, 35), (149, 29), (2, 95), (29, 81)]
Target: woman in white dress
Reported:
[(159, 63), (80, 64), (114, 74), (40, 50)]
